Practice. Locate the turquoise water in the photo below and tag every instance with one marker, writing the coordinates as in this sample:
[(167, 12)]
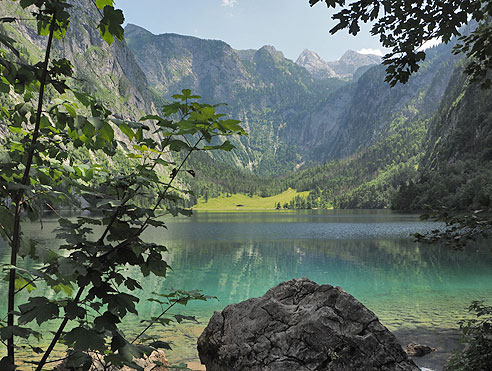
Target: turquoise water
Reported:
[(370, 254)]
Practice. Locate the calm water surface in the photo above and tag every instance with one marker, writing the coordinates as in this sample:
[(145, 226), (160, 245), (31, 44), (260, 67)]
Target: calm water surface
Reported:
[(370, 254)]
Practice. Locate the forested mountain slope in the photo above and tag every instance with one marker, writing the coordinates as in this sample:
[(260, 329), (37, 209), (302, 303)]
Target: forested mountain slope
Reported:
[(384, 157), (292, 118), (456, 168)]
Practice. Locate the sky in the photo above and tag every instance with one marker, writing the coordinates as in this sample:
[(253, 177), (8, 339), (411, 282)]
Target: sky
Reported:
[(289, 25)]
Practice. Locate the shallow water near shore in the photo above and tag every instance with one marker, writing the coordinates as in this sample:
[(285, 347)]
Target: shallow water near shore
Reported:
[(418, 291)]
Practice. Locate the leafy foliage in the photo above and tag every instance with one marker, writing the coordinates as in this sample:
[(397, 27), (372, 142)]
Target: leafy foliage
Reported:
[(460, 229), (477, 334), (404, 26), (41, 168)]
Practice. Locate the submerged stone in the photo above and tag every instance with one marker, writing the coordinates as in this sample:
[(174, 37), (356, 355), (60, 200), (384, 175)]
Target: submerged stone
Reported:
[(300, 325), (156, 361), (418, 350)]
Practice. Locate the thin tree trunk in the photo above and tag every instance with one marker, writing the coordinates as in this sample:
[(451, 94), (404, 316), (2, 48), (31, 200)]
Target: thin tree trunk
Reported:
[(18, 199)]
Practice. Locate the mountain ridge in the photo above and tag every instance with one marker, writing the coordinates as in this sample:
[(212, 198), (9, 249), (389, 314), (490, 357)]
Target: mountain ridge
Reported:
[(292, 118), (345, 67)]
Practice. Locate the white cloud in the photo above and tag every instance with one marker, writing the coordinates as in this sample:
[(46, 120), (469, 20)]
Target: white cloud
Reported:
[(229, 3), (370, 51)]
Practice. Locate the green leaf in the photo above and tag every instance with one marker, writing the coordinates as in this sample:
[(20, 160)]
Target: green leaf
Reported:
[(120, 304), (26, 3), (117, 342), (177, 145), (7, 332), (132, 284), (37, 350), (180, 318), (160, 345), (82, 339), (79, 361), (45, 122), (106, 132), (88, 129), (110, 25), (73, 311), (226, 146), (232, 125), (82, 97), (38, 308), (6, 365), (125, 129), (8, 42), (96, 122), (107, 321), (4, 88), (102, 3), (154, 264), (68, 267), (71, 111)]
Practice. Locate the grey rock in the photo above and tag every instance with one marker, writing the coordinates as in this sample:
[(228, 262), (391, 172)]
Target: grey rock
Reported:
[(316, 66), (351, 61), (300, 325), (345, 67), (156, 361)]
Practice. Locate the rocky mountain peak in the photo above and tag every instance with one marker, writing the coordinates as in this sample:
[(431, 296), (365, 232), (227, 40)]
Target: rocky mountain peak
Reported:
[(132, 30), (271, 51), (354, 57), (345, 67), (246, 54), (315, 65), (351, 61)]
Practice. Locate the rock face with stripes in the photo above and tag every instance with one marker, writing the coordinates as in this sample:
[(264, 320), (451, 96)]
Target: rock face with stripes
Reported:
[(300, 325)]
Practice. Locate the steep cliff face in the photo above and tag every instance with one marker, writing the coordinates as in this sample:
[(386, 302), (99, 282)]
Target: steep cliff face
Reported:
[(456, 165), (111, 73), (108, 72), (172, 62), (360, 114), (461, 130)]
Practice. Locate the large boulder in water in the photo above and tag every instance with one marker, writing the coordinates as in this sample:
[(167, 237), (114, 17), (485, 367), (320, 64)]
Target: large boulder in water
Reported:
[(300, 325)]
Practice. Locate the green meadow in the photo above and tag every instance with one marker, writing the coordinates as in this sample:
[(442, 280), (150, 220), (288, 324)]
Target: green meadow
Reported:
[(244, 202)]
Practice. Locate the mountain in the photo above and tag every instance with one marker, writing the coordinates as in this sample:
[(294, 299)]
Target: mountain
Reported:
[(110, 73), (292, 118), (456, 166), (267, 92), (316, 66), (345, 67), (351, 61)]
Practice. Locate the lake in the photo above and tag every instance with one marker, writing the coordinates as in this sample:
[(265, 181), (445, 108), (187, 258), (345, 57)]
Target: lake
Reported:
[(418, 291)]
